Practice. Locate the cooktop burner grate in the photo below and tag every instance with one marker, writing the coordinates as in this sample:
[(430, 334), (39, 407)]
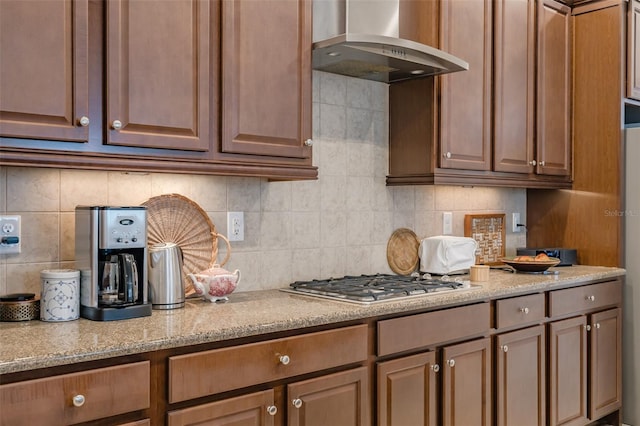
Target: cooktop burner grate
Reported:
[(377, 288)]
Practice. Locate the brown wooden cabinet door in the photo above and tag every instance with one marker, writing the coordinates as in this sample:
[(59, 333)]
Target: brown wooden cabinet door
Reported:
[(466, 383), (514, 85), (336, 399), (159, 71), (407, 392), (465, 108), (553, 143), (520, 377), (245, 410), (633, 50), (44, 72), (568, 372), (605, 392), (266, 77)]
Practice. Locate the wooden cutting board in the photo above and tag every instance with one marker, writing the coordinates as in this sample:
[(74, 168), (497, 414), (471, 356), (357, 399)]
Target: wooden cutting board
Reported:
[(402, 251)]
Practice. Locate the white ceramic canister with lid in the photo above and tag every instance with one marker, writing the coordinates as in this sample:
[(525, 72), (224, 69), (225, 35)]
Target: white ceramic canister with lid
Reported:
[(60, 297)]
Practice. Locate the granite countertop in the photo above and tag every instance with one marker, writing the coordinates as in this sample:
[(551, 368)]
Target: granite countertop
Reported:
[(36, 344)]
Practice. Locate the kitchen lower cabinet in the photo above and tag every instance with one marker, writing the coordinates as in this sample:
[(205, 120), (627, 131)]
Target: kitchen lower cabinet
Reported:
[(336, 399), (466, 383), (77, 397), (256, 409), (520, 377), (407, 391), (585, 355), (416, 389)]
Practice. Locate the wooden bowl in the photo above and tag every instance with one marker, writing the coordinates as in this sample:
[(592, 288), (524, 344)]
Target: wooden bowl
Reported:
[(530, 265)]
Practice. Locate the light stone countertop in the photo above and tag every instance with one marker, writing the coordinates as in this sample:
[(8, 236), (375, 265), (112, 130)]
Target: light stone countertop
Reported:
[(36, 344)]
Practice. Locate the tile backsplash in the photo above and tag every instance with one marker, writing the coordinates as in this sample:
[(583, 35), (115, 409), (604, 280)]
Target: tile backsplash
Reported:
[(336, 225)]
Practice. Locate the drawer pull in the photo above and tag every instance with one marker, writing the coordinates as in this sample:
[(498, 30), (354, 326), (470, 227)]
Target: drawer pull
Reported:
[(591, 298), (587, 327), (297, 402), (524, 310), (284, 359), (504, 348), (435, 368), (272, 410), (451, 362), (84, 121), (78, 400), (597, 325)]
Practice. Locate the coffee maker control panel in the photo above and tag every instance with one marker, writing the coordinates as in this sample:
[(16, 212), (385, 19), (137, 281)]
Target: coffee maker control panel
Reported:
[(123, 228)]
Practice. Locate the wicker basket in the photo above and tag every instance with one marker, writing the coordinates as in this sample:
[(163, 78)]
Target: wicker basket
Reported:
[(173, 218)]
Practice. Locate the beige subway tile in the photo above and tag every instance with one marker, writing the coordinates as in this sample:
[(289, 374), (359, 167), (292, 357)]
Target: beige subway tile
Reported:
[(40, 239), (170, 183), (306, 265), (83, 188), (67, 237), (210, 192), (129, 189), (33, 190)]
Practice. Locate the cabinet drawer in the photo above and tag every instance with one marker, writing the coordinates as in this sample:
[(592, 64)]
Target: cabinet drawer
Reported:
[(49, 401), (585, 298), (521, 310), (210, 372), (416, 331)]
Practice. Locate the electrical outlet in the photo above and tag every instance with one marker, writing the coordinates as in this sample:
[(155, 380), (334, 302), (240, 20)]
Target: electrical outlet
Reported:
[(10, 240), (447, 223), (515, 220), (235, 226)]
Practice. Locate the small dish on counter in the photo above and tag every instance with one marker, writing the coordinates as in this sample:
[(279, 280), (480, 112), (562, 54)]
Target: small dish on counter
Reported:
[(523, 264)]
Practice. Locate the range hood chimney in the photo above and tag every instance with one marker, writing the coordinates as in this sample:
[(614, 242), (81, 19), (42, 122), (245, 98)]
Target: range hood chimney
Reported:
[(360, 38)]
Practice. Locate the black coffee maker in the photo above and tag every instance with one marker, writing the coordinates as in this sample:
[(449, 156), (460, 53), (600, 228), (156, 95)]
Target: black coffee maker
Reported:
[(111, 253)]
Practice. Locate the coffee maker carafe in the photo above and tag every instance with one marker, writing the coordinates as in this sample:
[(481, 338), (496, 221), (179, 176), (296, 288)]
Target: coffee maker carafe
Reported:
[(111, 253)]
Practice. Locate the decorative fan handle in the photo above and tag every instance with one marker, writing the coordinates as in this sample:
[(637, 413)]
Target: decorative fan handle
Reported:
[(228, 254)]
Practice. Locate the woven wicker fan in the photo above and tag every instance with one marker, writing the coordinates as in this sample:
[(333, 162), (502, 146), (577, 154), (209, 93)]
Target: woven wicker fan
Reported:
[(173, 218)]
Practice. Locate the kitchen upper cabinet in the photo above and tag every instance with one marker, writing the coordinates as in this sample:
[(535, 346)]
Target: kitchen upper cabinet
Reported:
[(505, 121), (514, 90), (266, 78), (192, 86), (44, 69), (465, 97), (633, 50), (553, 149), (158, 73)]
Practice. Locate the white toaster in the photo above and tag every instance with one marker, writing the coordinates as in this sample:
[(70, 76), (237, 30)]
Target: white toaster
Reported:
[(447, 254)]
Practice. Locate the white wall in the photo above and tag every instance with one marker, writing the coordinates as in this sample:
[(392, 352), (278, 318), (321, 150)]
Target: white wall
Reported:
[(334, 226)]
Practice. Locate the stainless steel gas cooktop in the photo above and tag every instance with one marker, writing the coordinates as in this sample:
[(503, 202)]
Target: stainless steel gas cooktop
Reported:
[(368, 289)]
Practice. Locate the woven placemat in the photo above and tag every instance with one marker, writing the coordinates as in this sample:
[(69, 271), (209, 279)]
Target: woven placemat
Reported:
[(174, 218), (402, 251)]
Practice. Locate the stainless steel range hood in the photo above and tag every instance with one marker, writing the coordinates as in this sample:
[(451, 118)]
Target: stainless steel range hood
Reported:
[(360, 38)]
